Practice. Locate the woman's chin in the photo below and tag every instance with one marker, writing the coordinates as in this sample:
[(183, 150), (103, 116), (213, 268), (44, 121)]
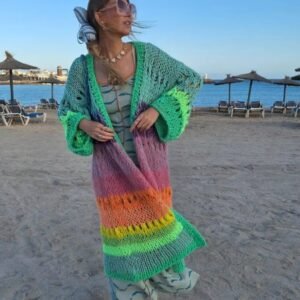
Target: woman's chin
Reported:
[(126, 31)]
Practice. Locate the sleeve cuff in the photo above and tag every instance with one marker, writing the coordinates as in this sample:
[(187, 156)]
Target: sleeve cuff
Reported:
[(78, 141), (174, 111)]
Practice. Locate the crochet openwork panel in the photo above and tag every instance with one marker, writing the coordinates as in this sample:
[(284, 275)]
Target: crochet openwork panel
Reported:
[(175, 92), (74, 107), (160, 81)]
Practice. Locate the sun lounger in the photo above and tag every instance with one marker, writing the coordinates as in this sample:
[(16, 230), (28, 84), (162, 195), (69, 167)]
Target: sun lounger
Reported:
[(30, 108), (16, 114), (239, 107), (9, 114), (223, 106), (44, 104), (23, 116), (290, 106), (256, 106), (53, 103), (34, 115), (296, 110), (5, 116), (278, 106)]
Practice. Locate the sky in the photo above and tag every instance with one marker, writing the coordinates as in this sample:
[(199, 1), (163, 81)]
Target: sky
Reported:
[(213, 37)]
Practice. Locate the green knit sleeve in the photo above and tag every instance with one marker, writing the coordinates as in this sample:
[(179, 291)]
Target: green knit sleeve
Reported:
[(175, 105), (74, 107)]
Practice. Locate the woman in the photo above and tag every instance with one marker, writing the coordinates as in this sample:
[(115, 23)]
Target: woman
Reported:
[(123, 103)]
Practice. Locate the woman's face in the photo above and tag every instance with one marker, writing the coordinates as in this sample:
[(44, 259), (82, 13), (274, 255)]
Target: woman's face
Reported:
[(115, 19)]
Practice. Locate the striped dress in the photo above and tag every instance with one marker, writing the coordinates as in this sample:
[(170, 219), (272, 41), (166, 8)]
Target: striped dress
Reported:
[(117, 102)]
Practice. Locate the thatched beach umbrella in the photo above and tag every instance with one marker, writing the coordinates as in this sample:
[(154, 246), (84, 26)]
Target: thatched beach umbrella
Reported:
[(252, 76), (228, 80), (286, 81), (297, 77), (51, 80), (12, 64)]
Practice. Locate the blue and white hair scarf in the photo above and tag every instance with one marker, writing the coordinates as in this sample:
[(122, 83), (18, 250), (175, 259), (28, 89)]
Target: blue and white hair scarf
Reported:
[(86, 33)]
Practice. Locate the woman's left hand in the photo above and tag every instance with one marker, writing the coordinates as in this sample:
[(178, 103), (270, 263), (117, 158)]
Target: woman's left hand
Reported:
[(145, 120)]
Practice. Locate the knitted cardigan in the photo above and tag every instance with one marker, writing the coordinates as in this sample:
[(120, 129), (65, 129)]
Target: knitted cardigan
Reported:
[(142, 234)]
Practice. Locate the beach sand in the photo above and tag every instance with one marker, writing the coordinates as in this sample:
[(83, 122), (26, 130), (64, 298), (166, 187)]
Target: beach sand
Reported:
[(236, 180)]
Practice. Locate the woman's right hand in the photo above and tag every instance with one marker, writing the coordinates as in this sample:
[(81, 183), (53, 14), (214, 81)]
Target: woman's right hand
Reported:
[(96, 130)]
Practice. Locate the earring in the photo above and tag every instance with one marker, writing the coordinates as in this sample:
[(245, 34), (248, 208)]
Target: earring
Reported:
[(103, 25)]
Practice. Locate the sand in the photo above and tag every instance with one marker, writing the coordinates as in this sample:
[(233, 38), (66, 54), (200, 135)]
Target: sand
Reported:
[(236, 180)]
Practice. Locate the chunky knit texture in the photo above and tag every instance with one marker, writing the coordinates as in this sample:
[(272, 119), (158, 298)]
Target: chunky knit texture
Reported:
[(142, 234), (160, 81)]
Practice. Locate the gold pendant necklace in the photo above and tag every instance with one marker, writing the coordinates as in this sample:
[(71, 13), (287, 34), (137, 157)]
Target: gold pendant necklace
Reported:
[(116, 58)]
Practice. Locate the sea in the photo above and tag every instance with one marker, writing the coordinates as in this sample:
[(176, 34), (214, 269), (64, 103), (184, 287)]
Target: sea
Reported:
[(209, 95)]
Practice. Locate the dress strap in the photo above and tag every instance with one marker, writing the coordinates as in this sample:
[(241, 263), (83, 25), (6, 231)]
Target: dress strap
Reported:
[(133, 54)]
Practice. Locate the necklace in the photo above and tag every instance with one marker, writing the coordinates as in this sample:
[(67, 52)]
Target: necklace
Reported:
[(117, 57)]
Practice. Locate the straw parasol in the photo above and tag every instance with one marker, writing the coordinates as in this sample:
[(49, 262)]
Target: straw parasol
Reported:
[(12, 64), (228, 80), (51, 80), (297, 77), (286, 81), (252, 76)]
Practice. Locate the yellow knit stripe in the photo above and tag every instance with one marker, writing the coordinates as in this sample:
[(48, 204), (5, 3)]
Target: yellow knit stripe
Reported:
[(147, 228), (148, 245)]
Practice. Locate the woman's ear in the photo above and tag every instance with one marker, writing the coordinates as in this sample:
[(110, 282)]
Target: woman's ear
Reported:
[(98, 16), (100, 22)]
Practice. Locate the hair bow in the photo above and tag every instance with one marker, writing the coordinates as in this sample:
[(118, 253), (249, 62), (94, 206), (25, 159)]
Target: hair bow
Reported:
[(86, 33)]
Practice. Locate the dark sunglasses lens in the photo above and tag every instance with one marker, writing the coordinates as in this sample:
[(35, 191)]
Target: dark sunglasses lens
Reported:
[(122, 5)]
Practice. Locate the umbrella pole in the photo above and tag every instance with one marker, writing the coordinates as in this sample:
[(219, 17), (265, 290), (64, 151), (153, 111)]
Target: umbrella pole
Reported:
[(284, 93), (11, 86), (229, 96), (52, 90), (249, 93)]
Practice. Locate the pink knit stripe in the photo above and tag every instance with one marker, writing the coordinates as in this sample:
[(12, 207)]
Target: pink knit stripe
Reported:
[(113, 176), (109, 158), (105, 186), (152, 156)]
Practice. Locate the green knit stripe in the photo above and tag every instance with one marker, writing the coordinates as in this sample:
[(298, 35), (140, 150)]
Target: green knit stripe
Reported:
[(138, 78), (191, 229), (184, 104), (77, 140), (174, 108), (152, 263), (155, 268), (145, 246)]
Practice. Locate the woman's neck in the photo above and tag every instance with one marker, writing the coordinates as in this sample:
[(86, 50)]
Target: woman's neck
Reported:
[(110, 45)]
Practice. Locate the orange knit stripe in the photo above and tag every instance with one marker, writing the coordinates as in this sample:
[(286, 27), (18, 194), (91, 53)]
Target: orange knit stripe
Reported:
[(146, 229), (134, 208)]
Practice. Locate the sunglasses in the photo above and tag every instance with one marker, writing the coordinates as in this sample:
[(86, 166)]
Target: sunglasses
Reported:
[(123, 8)]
